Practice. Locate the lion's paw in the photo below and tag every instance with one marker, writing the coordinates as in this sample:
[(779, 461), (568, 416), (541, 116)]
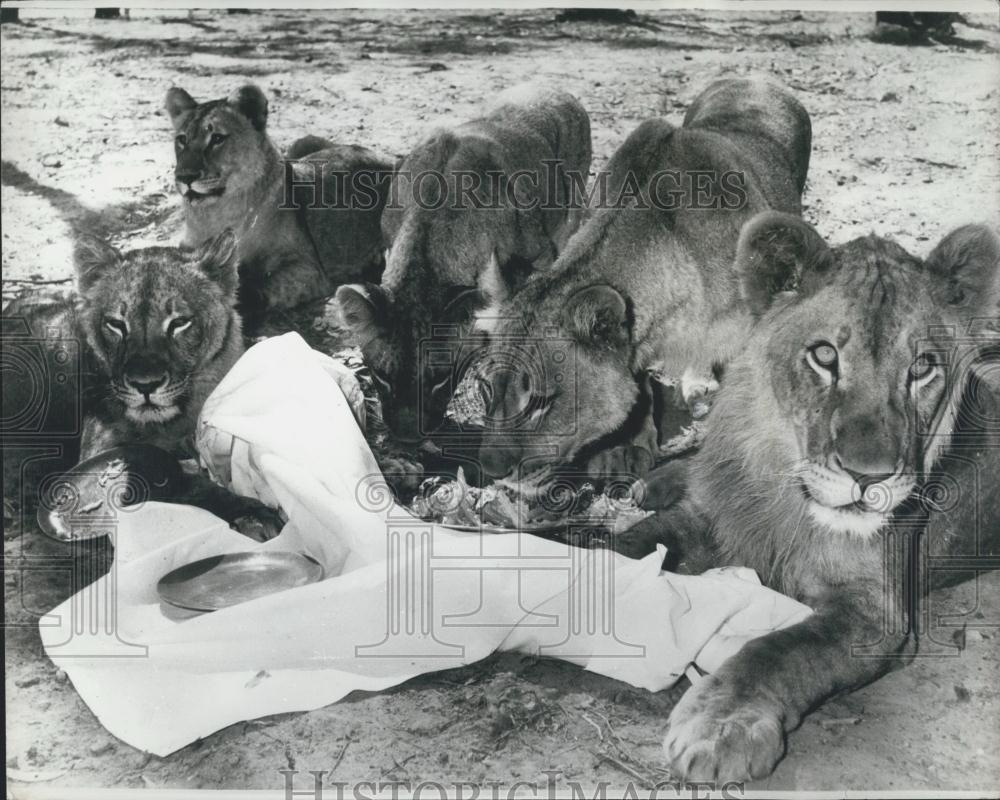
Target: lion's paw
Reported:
[(625, 463), (714, 735), (698, 392), (258, 521)]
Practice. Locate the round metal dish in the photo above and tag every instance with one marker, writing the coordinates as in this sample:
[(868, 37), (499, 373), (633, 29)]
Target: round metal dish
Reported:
[(536, 527), (222, 581), (82, 503), (550, 526)]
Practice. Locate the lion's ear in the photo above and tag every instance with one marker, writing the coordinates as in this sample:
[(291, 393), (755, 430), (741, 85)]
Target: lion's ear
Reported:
[(778, 253), (968, 259), (251, 102), (93, 257), (218, 259), (598, 316), (178, 103), (364, 308)]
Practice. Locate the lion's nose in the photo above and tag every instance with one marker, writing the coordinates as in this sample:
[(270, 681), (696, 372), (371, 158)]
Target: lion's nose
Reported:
[(864, 477), (146, 384), (864, 481), (187, 178)]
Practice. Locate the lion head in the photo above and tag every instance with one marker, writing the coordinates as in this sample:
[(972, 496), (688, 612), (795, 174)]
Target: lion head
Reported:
[(415, 359), (561, 378), (220, 145), (411, 327), (156, 320), (836, 410)]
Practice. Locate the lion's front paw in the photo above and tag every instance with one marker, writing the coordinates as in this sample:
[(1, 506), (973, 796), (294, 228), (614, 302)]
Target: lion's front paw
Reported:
[(625, 463), (716, 736), (258, 521), (698, 392), (402, 473)]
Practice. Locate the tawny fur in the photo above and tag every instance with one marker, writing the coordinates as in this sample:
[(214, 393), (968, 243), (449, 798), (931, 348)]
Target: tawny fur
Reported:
[(147, 289), (297, 243), (781, 420), (645, 286), (447, 255), (156, 314)]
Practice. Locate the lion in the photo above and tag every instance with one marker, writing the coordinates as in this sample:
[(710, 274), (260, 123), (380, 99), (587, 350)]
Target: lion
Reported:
[(303, 228), (158, 330), (646, 286), (504, 207), (822, 467)]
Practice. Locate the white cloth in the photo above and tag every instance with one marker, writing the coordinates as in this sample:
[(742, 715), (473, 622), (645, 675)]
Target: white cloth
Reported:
[(401, 597)]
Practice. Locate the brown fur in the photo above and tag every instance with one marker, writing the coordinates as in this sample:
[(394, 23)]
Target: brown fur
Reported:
[(443, 259), (287, 255), (785, 431), (641, 289), (157, 330), (154, 292)]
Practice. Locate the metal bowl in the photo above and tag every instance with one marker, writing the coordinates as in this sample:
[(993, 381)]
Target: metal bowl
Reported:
[(222, 581)]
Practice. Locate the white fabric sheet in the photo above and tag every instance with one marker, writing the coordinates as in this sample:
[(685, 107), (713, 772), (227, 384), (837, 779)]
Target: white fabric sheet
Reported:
[(401, 597)]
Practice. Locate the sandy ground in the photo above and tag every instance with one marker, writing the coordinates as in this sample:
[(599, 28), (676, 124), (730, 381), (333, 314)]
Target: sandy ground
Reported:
[(906, 144)]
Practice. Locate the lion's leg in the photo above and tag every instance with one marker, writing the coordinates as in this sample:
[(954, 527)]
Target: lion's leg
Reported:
[(627, 462), (248, 515), (732, 724), (635, 455)]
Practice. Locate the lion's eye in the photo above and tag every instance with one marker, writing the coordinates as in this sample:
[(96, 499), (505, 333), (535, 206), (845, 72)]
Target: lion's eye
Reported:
[(181, 140), (178, 325), (217, 139), (823, 358), (117, 326), (924, 367)]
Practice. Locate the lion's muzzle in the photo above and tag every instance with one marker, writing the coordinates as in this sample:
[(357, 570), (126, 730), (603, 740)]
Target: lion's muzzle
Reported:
[(195, 187), (149, 394), (853, 502)]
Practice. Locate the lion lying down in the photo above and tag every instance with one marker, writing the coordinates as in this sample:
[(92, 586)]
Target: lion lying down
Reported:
[(846, 405)]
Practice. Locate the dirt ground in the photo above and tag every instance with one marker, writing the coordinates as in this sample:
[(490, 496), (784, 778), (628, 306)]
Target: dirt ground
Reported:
[(906, 143)]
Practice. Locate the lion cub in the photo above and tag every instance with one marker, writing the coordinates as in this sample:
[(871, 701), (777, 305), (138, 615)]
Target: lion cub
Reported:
[(303, 228), (157, 330), (476, 204), (646, 286), (860, 411)]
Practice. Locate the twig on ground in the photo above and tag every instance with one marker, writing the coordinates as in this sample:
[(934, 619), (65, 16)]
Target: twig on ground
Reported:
[(37, 282), (340, 755), (397, 765), (643, 780), (944, 164), (597, 727), (839, 722)]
